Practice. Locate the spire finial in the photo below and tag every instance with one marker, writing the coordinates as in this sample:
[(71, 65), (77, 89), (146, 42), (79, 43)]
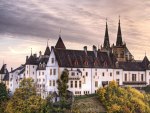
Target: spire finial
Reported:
[(31, 51), (47, 42), (106, 22), (60, 32), (119, 19), (145, 53)]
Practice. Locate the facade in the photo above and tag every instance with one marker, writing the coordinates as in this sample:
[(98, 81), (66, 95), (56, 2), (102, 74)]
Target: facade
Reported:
[(88, 70)]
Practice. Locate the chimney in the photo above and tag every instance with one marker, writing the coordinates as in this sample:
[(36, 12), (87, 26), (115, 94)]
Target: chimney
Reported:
[(35, 55), (26, 58), (11, 69), (40, 53), (95, 50), (85, 49)]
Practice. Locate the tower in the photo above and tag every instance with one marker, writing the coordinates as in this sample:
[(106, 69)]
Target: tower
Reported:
[(120, 50)]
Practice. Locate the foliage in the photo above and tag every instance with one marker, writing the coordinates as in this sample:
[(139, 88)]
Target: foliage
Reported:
[(3, 97), (123, 100), (62, 84), (146, 89), (25, 99)]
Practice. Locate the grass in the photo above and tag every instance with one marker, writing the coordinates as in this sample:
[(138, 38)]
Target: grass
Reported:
[(88, 104)]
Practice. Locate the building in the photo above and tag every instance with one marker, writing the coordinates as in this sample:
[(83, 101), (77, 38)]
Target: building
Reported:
[(4, 76), (88, 69)]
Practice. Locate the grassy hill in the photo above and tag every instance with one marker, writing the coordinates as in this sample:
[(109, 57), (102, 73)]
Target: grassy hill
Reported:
[(88, 104)]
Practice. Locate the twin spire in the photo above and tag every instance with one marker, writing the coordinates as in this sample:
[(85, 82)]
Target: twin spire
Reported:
[(119, 36), (106, 38)]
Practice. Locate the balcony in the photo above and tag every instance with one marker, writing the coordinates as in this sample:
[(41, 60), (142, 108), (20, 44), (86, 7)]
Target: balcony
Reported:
[(135, 83)]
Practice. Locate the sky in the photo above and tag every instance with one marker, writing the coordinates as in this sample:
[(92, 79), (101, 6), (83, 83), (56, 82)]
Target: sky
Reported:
[(26, 24)]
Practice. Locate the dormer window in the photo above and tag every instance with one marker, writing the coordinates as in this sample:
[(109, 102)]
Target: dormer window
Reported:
[(105, 64), (76, 62), (52, 60), (95, 63), (86, 63)]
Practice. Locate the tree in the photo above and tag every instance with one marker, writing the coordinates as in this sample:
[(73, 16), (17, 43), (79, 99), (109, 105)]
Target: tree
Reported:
[(62, 84), (123, 100), (64, 103), (3, 97), (25, 99)]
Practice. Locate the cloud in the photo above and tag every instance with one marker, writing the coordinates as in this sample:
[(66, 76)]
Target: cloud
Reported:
[(81, 22)]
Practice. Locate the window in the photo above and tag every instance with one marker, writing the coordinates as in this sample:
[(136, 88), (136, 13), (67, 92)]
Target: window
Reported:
[(79, 84), (33, 73), (125, 77), (43, 80), (27, 72), (83, 69), (50, 83), (95, 73), (110, 74), (86, 73), (75, 84), (33, 66), (39, 80), (54, 71), (96, 83), (52, 60), (95, 69), (142, 77), (103, 74), (84, 79), (42, 73), (71, 84), (53, 82), (73, 73), (117, 72), (39, 73), (50, 71), (133, 77)]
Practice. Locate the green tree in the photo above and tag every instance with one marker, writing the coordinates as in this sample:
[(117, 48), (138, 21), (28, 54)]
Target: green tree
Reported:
[(64, 103), (25, 99), (62, 84), (3, 97)]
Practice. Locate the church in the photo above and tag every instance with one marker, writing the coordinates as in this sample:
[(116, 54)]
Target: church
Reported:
[(88, 69)]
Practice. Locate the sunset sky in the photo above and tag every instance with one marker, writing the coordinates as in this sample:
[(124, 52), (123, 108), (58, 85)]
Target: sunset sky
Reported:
[(26, 24)]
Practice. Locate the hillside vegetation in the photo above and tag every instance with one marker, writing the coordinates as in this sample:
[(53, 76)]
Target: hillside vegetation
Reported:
[(123, 100), (87, 104)]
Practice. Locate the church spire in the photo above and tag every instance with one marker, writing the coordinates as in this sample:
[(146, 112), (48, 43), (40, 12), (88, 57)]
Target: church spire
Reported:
[(106, 38), (119, 35), (60, 44)]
